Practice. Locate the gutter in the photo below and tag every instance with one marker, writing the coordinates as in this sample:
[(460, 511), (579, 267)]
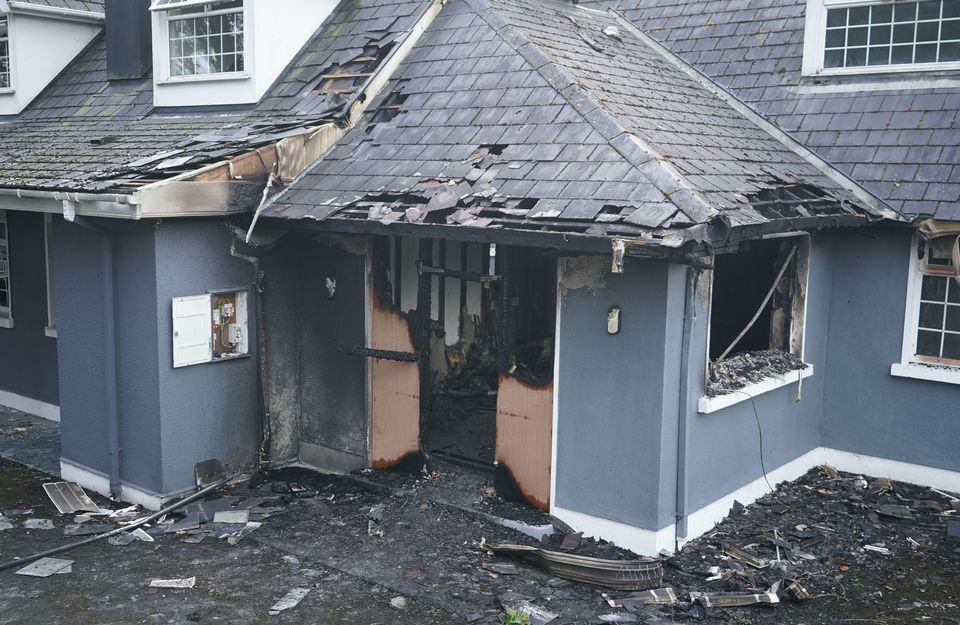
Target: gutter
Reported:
[(39, 10), (109, 342), (113, 205)]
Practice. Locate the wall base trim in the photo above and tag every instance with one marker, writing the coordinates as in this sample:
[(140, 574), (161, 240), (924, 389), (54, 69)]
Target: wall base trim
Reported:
[(896, 470), (636, 539), (35, 407), (99, 482), (650, 543)]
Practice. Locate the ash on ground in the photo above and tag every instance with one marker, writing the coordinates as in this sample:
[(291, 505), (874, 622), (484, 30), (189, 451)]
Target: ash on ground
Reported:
[(738, 371)]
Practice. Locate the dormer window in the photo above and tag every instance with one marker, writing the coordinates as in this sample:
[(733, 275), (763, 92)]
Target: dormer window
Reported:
[(204, 37), (853, 37), (4, 53)]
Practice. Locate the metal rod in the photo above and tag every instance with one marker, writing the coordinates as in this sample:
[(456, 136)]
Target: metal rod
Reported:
[(119, 530)]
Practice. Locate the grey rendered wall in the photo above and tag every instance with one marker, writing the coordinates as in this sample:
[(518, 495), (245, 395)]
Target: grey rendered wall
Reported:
[(723, 447), (79, 280), (210, 410), (616, 397), (28, 358), (866, 410)]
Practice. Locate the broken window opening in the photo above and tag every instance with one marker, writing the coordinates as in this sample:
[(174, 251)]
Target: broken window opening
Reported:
[(756, 313)]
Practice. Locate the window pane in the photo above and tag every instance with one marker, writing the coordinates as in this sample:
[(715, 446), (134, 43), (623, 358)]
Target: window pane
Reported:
[(950, 30), (934, 288), (903, 33), (928, 343), (879, 34), (836, 38), (837, 17), (931, 316), (859, 15), (881, 13), (951, 346), (833, 58), (953, 318), (951, 8), (954, 291), (949, 52), (928, 31), (857, 36), (929, 10), (927, 53), (879, 56), (905, 11), (902, 54), (856, 57)]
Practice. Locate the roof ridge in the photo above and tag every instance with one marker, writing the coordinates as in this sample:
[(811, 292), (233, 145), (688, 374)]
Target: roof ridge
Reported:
[(874, 202), (653, 165)]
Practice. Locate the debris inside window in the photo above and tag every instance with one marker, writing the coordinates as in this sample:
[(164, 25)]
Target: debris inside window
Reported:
[(738, 371), (756, 316)]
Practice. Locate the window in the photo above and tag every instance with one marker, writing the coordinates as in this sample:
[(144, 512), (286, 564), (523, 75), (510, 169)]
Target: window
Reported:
[(6, 319), (757, 309), (204, 38), (209, 328), (51, 329), (855, 37), (931, 335), (5, 52)]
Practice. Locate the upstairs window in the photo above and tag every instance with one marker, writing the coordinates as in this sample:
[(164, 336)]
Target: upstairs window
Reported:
[(858, 37), (5, 52), (204, 38)]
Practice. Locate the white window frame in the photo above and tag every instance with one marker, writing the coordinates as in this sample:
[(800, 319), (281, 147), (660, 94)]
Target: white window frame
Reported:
[(798, 333), (201, 323), (910, 365), (814, 43), (9, 39), (161, 43), (51, 329), (6, 312)]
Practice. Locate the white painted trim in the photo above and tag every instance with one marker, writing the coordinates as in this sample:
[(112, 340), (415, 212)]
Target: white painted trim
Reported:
[(706, 405), (41, 10), (636, 539), (6, 322), (98, 482), (50, 332), (704, 519), (923, 371), (894, 469), (35, 407), (649, 542), (556, 386), (191, 78), (859, 86)]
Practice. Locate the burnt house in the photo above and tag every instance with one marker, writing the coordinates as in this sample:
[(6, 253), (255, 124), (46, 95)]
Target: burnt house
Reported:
[(612, 253)]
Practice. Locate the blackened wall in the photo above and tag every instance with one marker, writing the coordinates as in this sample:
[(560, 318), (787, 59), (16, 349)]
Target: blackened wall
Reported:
[(28, 358)]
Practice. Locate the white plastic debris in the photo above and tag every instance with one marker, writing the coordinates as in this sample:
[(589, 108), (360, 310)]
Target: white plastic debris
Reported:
[(45, 567), (232, 516), (290, 600), (38, 524), (185, 582), (399, 603)]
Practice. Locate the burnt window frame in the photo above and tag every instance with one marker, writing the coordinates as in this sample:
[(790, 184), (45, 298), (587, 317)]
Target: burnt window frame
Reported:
[(795, 336)]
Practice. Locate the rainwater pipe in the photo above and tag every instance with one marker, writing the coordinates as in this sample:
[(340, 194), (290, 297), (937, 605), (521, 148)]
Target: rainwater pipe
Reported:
[(689, 315), (109, 340)]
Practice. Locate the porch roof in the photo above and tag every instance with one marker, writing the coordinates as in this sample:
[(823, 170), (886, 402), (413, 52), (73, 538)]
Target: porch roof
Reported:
[(541, 115)]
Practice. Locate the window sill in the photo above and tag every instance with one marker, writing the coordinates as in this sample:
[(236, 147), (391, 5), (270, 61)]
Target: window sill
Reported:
[(7, 91), (6, 322), (922, 371), (187, 80), (706, 405), (50, 332)]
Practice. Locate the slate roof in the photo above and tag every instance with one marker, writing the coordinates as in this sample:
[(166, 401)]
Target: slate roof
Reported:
[(85, 133), (902, 144), (525, 114), (92, 6)]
